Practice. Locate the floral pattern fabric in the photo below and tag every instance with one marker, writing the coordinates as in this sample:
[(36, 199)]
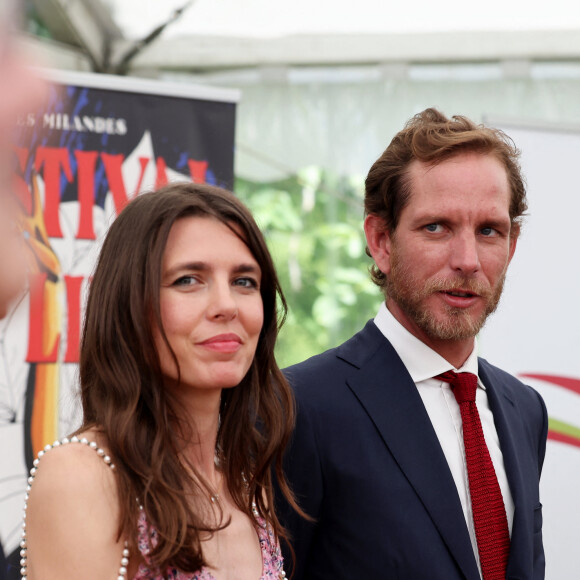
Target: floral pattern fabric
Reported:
[(272, 561)]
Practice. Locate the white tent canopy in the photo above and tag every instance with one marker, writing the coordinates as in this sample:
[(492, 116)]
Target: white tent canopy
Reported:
[(271, 18), (225, 34)]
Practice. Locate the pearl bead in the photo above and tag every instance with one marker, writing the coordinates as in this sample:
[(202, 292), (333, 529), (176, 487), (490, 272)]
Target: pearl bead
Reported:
[(101, 453)]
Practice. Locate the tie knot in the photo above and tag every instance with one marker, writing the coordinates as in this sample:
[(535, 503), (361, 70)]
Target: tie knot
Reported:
[(464, 385)]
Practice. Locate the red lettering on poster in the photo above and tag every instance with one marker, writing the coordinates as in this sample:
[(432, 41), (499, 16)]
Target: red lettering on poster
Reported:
[(161, 179), (198, 170), (38, 352), (113, 170), (73, 301), (87, 161), (53, 159)]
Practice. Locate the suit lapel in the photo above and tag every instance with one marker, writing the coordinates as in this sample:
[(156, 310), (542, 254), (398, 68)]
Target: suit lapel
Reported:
[(386, 391), (508, 423)]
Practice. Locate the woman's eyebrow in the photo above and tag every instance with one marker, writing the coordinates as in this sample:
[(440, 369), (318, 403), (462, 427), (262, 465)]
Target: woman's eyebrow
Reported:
[(247, 269), (188, 266), (244, 268)]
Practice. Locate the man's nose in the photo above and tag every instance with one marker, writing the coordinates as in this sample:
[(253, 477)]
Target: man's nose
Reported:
[(464, 255)]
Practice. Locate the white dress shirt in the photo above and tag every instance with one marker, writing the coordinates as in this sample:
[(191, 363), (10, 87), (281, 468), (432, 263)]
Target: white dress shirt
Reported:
[(423, 363)]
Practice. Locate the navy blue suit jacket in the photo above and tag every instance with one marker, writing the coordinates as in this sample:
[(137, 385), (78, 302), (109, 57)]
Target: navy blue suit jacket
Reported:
[(365, 462)]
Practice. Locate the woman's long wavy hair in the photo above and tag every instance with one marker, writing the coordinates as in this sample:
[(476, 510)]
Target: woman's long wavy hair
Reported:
[(122, 386)]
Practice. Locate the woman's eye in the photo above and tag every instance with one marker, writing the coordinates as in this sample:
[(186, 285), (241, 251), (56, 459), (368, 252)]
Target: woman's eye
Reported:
[(433, 228), (185, 281), (246, 282)]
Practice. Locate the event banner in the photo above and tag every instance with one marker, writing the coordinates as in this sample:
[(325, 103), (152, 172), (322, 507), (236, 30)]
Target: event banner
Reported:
[(94, 143), (535, 333)]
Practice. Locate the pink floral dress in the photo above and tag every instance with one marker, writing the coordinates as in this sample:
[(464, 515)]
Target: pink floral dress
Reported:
[(272, 561)]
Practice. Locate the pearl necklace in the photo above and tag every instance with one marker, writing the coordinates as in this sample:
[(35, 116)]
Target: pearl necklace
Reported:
[(23, 545)]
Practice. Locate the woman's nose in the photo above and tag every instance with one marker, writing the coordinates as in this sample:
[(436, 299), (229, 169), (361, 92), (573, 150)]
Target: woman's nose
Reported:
[(222, 302)]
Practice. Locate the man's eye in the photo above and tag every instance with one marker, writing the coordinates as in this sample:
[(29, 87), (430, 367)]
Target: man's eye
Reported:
[(434, 228), (488, 231)]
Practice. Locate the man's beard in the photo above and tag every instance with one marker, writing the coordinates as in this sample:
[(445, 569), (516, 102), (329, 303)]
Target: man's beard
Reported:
[(410, 294)]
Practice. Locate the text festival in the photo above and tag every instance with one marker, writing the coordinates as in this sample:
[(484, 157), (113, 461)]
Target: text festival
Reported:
[(53, 164)]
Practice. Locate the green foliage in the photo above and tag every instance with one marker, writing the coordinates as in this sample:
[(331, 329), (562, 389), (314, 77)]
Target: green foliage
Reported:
[(313, 224), (33, 22)]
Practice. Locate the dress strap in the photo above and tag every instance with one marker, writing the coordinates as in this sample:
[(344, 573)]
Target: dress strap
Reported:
[(23, 544)]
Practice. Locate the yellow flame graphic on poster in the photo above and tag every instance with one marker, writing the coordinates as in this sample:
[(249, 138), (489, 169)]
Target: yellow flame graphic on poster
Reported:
[(44, 378)]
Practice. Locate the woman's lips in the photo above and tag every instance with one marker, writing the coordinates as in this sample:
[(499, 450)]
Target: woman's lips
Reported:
[(222, 343)]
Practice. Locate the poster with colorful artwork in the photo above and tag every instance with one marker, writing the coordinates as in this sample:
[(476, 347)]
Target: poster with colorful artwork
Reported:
[(95, 143)]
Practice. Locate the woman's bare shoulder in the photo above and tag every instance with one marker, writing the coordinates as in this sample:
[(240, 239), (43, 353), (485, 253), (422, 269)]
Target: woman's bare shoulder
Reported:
[(74, 462), (74, 479), (72, 503)]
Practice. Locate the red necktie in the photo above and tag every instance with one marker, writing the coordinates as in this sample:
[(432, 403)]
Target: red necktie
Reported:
[(491, 527)]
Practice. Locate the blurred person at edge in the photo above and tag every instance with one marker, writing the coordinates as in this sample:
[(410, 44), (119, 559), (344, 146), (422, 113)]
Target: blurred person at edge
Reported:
[(18, 95), (20, 91)]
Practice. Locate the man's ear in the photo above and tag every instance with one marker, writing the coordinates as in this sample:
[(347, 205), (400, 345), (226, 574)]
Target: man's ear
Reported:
[(379, 242)]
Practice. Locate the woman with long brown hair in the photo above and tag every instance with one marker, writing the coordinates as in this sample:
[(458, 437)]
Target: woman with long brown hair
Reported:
[(185, 411)]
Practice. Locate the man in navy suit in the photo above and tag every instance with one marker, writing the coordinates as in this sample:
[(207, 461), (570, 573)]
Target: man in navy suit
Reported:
[(382, 456)]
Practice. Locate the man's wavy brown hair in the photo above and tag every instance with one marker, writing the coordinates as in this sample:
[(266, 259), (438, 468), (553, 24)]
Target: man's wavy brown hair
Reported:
[(122, 386), (431, 137)]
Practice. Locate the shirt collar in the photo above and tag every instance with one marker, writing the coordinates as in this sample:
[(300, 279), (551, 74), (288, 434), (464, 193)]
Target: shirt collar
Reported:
[(421, 361)]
